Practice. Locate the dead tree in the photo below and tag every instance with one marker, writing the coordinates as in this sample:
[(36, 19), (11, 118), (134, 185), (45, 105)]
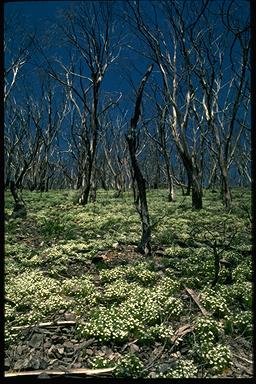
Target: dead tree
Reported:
[(161, 141), (95, 45), (141, 196), (175, 69)]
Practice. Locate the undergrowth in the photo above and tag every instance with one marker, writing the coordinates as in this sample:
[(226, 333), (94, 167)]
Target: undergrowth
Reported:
[(49, 267)]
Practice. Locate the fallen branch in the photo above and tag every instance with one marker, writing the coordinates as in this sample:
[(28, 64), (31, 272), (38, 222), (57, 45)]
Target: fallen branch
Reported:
[(75, 371), (152, 362), (243, 368), (128, 344), (44, 325), (182, 331), (243, 359), (196, 300)]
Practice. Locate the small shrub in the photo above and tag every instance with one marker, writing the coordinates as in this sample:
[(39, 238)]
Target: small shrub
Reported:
[(81, 288), (109, 324), (117, 291), (129, 366), (98, 362), (35, 295), (207, 330), (217, 357), (185, 369), (52, 227), (240, 323), (138, 273), (214, 302)]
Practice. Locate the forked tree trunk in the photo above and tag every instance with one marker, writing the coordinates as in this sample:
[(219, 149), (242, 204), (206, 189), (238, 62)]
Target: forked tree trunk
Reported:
[(83, 200), (91, 144), (141, 201)]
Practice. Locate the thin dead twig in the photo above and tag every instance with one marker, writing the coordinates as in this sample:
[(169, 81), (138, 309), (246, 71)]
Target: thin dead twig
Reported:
[(182, 331), (74, 371), (43, 325), (243, 359), (196, 300)]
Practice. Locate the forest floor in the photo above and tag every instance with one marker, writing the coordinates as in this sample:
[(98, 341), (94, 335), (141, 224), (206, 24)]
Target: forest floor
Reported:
[(79, 296)]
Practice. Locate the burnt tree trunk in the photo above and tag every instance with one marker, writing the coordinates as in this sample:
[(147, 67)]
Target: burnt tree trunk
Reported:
[(171, 195), (194, 181), (225, 188), (187, 193), (91, 142), (141, 197), (197, 202), (19, 209)]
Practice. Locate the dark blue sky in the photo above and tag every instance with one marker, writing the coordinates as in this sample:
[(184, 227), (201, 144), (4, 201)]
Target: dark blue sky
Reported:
[(36, 12), (41, 17)]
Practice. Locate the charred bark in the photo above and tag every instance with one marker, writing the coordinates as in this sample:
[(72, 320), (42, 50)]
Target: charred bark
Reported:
[(194, 181), (144, 246), (19, 209), (197, 202)]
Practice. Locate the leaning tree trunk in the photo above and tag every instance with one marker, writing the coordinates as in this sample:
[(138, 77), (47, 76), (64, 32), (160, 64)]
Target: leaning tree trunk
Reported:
[(141, 201)]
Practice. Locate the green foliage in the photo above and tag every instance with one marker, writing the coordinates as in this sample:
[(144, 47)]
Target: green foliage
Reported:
[(243, 271), (217, 357), (117, 291), (107, 324), (35, 295), (129, 365), (98, 362), (238, 294), (138, 273), (184, 369), (135, 315), (51, 227), (239, 324), (214, 302), (207, 330), (81, 288)]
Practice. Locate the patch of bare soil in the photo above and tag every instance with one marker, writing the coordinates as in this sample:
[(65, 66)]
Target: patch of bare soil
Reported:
[(120, 255)]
